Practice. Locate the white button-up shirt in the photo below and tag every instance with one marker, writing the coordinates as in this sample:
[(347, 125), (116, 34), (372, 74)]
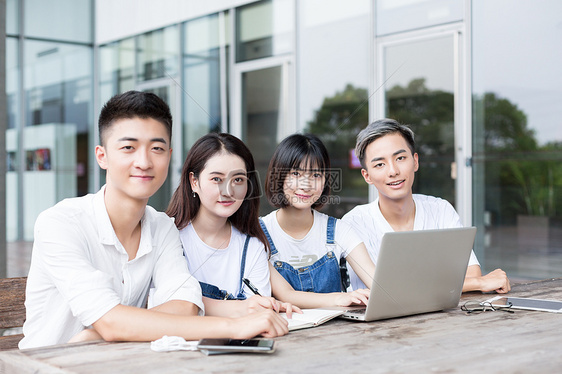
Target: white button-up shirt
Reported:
[(80, 271)]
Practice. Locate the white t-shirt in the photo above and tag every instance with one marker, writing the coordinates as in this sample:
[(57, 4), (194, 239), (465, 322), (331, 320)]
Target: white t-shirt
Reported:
[(431, 213), (308, 250), (221, 267), (79, 269)]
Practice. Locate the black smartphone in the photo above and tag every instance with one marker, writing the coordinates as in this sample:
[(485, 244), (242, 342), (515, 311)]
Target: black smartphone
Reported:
[(210, 346)]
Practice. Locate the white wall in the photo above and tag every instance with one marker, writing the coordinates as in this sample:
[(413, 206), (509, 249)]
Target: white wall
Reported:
[(123, 18)]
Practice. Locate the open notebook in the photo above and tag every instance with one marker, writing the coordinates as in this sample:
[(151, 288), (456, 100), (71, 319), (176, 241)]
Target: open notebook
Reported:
[(311, 318)]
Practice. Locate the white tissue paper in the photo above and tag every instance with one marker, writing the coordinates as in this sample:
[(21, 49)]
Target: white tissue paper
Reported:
[(173, 343)]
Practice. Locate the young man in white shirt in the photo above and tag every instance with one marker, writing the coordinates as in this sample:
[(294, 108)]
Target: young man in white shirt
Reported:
[(386, 150), (94, 257)]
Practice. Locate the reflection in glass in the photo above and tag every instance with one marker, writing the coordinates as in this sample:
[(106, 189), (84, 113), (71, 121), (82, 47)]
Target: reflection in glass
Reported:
[(59, 19), (158, 54), (58, 112), (396, 16), (12, 139), (204, 48), (420, 86), (337, 122), (262, 112), (12, 17), (335, 108), (264, 29), (117, 68), (517, 173), (12, 79)]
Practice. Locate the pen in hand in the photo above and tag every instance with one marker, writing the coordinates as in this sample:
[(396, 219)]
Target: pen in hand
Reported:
[(275, 305), (251, 286)]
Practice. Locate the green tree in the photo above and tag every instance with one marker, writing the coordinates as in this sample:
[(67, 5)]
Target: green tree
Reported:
[(337, 123), (529, 176), (520, 176), (430, 114)]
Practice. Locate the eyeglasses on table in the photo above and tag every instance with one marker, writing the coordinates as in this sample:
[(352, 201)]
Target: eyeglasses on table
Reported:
[(476, 307)]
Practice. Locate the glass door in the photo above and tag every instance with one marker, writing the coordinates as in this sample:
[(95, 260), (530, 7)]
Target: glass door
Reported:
[(420, 85), (168, 91), (262, 111)]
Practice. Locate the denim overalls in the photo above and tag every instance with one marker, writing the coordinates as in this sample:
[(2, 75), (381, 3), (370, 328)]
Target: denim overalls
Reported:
[(323, 276), (213, 292)]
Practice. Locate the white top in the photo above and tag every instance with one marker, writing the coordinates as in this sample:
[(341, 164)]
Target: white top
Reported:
[(308, 250), (79, 270), (431, 213), (221, 267)]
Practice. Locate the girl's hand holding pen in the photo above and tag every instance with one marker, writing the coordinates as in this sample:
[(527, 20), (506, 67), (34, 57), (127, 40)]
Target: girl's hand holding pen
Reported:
[(258, 303)]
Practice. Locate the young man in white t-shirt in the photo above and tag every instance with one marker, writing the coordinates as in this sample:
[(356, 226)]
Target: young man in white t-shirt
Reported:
[(94, 257), (386, 150)]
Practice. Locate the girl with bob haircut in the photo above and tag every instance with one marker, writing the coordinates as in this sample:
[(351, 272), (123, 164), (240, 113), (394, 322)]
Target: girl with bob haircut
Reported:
[(215, 207), (306, 245)]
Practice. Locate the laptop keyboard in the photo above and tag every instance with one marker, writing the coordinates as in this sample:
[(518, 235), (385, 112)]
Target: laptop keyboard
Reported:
[(358, 311)]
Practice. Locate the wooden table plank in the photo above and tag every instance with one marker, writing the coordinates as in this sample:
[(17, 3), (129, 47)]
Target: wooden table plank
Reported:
[(12, 298), (448, 341)]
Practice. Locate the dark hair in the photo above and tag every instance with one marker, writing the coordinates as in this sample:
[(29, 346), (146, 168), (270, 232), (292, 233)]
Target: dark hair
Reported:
[(378, 129), (291, 153), (133, 104), (184, 206)]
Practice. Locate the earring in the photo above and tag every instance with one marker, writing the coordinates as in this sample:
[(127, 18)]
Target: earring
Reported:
[(194, 194)]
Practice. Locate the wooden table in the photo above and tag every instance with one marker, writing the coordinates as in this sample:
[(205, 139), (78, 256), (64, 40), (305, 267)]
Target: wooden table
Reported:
[(443, 342)]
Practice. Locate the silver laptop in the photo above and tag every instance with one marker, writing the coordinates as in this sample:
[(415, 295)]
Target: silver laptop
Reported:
[(417, 272)]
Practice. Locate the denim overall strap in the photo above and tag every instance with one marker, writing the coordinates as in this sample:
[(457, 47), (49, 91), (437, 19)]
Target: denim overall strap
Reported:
[(321, 276), (271, 245), (330, 231), (213, 292), (330, 234), (241, 295)]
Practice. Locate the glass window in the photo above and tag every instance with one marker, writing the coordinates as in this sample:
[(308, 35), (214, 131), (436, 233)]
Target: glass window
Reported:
[(517, 173), (12, 81), (263, 109), (264, 29), (12, 17), (69, 20), (117, 68), (58, 111), (333, 88), (12, 139), (205, 63), (394, 16), (419, 80), (158, 55)]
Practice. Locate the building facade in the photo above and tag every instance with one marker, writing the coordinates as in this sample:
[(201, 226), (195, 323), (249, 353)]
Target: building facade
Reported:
[(477, 80)]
